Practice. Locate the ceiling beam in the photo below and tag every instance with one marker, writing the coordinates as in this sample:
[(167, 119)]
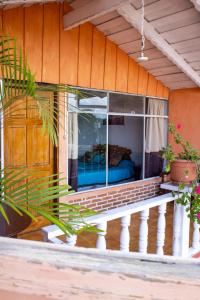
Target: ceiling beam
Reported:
[(132, 16), (90, 11), (196, 4)]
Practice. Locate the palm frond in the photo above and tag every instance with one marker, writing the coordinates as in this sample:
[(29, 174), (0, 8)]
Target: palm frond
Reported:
[(37, 195)]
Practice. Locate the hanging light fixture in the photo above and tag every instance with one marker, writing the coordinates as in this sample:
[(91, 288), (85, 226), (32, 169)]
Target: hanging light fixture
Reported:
[(142, 57)]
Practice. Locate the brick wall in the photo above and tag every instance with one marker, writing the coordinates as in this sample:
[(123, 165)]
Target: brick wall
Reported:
[(111, 197)]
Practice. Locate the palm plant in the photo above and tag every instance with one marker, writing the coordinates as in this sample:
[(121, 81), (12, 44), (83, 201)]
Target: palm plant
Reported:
[(19, 189)]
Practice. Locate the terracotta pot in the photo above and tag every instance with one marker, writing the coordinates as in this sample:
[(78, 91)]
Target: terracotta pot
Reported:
[(183, 171)]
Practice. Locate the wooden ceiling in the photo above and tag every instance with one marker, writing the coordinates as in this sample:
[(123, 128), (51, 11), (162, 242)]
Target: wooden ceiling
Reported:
[(177, 22)]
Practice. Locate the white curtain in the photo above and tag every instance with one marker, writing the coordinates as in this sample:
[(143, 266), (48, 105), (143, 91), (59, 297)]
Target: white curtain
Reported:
[(155, 139), (73, 135)]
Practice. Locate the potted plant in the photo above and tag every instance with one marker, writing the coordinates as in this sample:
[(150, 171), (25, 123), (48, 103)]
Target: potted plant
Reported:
[(183, 165)]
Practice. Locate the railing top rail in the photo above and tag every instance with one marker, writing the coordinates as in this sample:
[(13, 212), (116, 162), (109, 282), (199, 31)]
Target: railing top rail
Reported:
[(118, 212), (130, 209)]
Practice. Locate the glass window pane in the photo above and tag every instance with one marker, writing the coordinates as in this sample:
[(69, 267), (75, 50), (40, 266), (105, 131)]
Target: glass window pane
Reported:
[(126, 104), (125, 149), (88, 101), (90, 161), (156, 139), (156, 107)]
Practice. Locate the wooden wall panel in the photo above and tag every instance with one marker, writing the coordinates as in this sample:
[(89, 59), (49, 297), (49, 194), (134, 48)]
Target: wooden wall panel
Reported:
[(69, 45), (85, 55), (110, 66), (50, 68), (98, 58), (166, 93), (33, 38), (142, 81), (13, 24), (80, 57), (133, 71), (159, 89), (151, 86), (122, 71)]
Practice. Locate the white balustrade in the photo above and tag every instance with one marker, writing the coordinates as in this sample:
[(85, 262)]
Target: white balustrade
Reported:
[(196, 237), (71, 240), (181, 227), (124, 235), (101, 241), (143, 234), (161, 229)]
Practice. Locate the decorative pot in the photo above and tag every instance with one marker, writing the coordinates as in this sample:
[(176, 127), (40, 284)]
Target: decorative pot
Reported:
[(183, 171), (17, 223)]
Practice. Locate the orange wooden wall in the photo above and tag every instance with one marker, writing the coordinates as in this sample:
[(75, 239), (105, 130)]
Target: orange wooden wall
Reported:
[(184, 108), (81, 56)]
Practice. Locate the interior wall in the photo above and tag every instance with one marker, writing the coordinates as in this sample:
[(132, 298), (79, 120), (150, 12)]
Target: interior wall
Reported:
[(184, 109), (81, 56), (129, 135)]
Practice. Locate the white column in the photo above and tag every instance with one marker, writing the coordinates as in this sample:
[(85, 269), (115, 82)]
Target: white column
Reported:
[(143, 234), (101, 241), (71, 240), (195, 237), (124, 235), (161, 229), (185, 233), (176, 229)]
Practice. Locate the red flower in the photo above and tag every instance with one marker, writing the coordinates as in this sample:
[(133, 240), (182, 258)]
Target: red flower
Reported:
[(178, 126), (197, 190), (198, 216)]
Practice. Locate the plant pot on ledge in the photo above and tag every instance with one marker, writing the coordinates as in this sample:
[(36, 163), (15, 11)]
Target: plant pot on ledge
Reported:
[(183, 171)]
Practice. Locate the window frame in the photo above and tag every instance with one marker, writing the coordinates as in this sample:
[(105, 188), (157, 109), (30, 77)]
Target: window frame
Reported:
[(107, 113)]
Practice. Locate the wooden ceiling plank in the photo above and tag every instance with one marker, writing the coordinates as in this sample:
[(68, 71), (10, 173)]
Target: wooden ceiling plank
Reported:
[(165, 71), (113, 26), (181, 34), (191, 56), (125, 36), (89, 12), (156, 63), (137, 3), (180, 19), (151, 53), (105, 18), (188, 45), (134, 18), (195, 65), (173, 77), (135, 46), (164, 8)]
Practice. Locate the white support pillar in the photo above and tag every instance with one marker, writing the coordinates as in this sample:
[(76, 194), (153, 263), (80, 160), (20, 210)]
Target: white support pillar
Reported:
[(71, 240), (176, 229), (196, 237), (161, 229), (185, 233), (101, 241), (143, 235), (125, 235)]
